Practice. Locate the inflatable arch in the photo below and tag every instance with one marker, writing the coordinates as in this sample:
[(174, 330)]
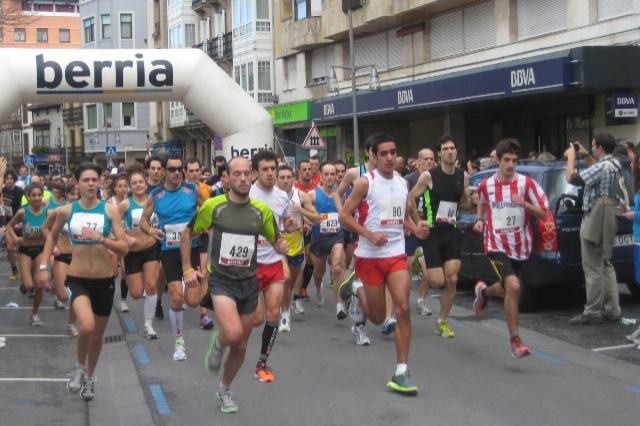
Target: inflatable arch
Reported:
[(138, 75)]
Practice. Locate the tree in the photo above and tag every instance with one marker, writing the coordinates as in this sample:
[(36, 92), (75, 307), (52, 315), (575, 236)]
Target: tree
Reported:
[(16, 13)]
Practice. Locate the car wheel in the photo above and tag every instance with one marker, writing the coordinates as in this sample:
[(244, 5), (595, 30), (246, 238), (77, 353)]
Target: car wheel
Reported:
[(634, 289), (529, 297)]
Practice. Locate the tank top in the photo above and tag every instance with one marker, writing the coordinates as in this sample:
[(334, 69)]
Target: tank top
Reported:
[(383, 210), (329, 223), (175, 209), (32, 224), (54, 205), (133, 215), (95, 218), (295, 239), (440, 203)]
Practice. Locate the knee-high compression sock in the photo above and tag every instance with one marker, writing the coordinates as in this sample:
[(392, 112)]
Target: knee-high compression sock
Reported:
[(176, 322), (307, 274), (124, 289), (269, 334), (149, 308)]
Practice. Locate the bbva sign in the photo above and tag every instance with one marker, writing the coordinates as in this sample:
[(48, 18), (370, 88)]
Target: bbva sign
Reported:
[(137, 75)]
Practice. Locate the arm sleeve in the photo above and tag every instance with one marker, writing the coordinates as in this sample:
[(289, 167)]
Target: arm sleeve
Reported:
[(269, 226), (591, 174), (201, 221)]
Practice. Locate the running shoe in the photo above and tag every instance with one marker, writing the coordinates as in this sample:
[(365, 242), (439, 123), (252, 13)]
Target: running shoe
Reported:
[(340, 312), (22, 289), (388, 326), (263, 373), (180, 352), (14, 277), (36, 321), (213, 357), (345, 290), (285, 323), (227, 404), (76, 378), (320, 296), (403, 384), (481, 300), (206, 323), (518, 349), (72, 330), (88, 389), (633, 336), (422, 308), (443, 329), (355, 310), (123, 306), (150, 333), (185, 306), (297, 307), (303, 294), (159, 311), (360, 335), (57, 304)]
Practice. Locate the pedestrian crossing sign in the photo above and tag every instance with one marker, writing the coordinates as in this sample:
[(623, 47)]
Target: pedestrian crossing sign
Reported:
[(110, 151), (314, 139)]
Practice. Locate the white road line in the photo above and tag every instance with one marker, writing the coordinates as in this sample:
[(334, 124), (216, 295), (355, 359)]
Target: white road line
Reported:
[(17, 336), (7, 308), (612, 348), (32, 379)]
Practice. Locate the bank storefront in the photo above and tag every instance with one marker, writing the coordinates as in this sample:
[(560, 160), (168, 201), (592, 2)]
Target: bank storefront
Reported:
[(545, 101)]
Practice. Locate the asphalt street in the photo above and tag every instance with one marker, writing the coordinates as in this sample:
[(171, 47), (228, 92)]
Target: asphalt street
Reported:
[(322, 377)]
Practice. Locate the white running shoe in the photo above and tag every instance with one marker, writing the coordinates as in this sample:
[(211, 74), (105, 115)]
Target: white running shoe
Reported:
[(76, 378), (422, 308), (320, 296), (360, 335), (57, 304), (179, 353), (36, 321), (634, 336), (355, 310), (150, 333), (298, 308), (285, 323), (72, 330), (123, 306)]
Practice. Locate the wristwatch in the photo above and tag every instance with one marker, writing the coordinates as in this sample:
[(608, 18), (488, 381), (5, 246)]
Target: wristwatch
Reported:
[(43, 267)]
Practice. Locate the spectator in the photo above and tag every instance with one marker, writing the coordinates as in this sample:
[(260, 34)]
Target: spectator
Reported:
[(400, 166), (23, 177), (598, 228), (494, 158), (473, 166), (631, 151), (533, 155), (635, 217), (485, 163), (546, 156)]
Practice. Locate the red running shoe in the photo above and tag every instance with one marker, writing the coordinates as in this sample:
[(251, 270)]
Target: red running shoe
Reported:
[(481, 300), (518, 350)]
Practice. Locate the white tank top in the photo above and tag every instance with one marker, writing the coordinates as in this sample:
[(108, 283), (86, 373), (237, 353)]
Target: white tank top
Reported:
[(383, 211)]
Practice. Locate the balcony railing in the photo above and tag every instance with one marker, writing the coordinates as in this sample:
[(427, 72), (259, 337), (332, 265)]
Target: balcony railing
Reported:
[(72, 115), (219, 48)]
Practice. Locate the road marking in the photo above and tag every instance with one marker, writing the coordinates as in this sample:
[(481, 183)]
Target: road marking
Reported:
[(612, 348), (141, 354), (32, 379), (29, 307), (55, 336), (552, 359), (634, 389), (158, 397), (131, 326)]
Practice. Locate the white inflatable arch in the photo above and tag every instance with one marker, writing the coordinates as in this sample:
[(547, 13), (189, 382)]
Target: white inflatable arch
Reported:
[(138, 75)]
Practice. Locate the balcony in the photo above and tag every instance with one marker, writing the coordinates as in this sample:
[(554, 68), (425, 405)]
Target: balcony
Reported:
[(302, 35), (72, 115), (200, 4), (219, 49)]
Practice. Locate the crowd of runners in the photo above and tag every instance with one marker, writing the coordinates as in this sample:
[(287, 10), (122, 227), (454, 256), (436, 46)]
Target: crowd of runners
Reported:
[(245, 243)]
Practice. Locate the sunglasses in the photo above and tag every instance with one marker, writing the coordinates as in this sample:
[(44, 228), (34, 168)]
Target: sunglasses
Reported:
[(174, 169)]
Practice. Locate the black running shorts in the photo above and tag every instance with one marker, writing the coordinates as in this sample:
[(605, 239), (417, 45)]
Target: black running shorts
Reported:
[(134, 261), (100, 292), (244, 292), (442, 245)]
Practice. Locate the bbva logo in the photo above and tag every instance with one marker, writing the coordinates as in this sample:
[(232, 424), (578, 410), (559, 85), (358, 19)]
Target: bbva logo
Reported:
[(626, 100), (405, 96), (523, 77), (79, 74), (328, 110)]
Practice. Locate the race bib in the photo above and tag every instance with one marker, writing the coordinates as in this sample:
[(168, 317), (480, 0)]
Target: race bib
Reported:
[(8, 211), (136, 215), (236, 249), (329, 223), (262, 241), (31, 231), (173, 234), (507, 219), (80, 220), (392, 211), (447, 212)]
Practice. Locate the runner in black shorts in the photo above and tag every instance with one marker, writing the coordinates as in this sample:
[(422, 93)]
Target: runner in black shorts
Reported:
[(236, 221)]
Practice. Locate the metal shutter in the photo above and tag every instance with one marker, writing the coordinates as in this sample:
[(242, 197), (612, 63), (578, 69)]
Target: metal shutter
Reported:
[(291, 68), (372, 50), (395, 49), (318, 65), (480, 26), (447, 35), (612, 8), (541, 16)]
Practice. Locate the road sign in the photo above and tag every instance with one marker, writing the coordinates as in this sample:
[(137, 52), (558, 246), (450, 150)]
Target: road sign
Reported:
[(314, 139), (28, 161), (110, 151)]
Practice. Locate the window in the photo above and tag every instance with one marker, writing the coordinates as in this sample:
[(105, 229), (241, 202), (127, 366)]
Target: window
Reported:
[(189, 35), (92, 117), (41, 136), (20, 35), (264, 82), (384, 50), (319, 66), (126, 26), (89, 30), (262, 16), (107, 118), (128, 115), (242, 17), (244, 77), (291, 70), (307, 8), (42, 35), (540, 17), (608, 9), (175, 37), (105, 21), (64, 35), (463, 30)]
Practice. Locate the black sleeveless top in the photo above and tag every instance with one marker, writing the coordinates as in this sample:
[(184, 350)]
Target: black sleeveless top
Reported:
[(441, 202)]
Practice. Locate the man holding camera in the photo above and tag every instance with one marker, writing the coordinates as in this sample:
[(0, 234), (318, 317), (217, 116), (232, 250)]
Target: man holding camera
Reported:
[(598, 227)]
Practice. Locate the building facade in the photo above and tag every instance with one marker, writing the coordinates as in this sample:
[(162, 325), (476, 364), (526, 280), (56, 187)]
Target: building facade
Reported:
[(115, 24), (546, 72)]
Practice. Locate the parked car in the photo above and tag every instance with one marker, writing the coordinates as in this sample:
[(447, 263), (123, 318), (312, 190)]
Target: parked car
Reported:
[(548, 268)]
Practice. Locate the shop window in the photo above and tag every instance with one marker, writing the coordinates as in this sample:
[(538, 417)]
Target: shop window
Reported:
[(540, 17), (608, 9)]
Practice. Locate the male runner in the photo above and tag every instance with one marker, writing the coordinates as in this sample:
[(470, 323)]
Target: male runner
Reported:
[(305, 184), (236, 222), (12, 196), (302, 209), (508, 202), (443, 190), (380, 260), (314, 160), (155, 174), (174, 203)]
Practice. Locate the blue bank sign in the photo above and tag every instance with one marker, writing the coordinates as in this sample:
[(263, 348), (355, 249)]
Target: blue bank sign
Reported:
[(501, 81), (625, 105)]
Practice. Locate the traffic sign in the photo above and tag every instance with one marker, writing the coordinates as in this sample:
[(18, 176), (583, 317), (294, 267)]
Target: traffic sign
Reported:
[(110, 151), (28, 161), (314, 139)]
